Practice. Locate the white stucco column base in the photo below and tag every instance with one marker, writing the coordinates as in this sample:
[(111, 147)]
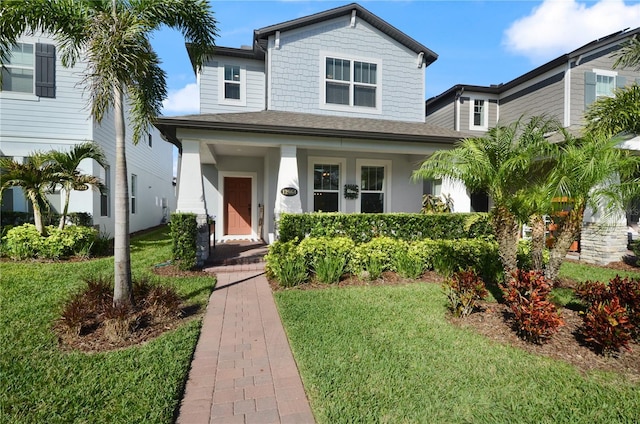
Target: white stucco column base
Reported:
[(287, 179), (191, 195)]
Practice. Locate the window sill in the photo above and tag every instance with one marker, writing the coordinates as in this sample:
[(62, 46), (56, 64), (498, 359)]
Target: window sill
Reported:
[(19, 96), (351, 109)]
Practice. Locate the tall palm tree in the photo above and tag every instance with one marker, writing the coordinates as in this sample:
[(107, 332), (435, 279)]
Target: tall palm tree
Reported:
[(591, 171), (34, 177), (113, 37), (629, 55), (66, 167), (500, 163)]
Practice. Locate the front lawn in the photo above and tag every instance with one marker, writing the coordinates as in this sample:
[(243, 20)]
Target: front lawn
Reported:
[(40, 383), (389, 354)]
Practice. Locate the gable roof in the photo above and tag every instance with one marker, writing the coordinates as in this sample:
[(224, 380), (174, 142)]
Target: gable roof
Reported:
[(576, 54), (305, 124), (262, 34)]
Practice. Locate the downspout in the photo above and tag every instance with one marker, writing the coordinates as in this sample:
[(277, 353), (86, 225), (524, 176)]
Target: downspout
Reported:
[(456, 110), (567, 94)]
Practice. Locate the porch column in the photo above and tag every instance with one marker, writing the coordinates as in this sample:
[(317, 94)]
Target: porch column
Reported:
[(191, 195), (288, 189)]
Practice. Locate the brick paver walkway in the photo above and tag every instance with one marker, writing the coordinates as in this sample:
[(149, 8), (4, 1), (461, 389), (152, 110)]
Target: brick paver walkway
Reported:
[(243, 370)]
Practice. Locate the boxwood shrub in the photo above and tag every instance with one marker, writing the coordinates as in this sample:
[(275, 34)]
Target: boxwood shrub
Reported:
[(362, 228), (184, 233)]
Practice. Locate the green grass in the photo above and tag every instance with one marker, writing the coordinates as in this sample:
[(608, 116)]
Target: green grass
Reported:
[(388, 354), (39, 383), (582, 272)]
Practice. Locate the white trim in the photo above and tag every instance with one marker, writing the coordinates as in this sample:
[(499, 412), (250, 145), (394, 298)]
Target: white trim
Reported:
[(386, 185), (457, 112), (567, 96), (353, 19), (351, 107), (242, 101), (606, 73), (420, 59), (341, 162), (277, 45), (485, 125), (254, 205)]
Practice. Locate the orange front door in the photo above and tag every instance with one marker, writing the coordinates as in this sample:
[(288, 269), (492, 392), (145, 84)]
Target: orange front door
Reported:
[(237, 206)]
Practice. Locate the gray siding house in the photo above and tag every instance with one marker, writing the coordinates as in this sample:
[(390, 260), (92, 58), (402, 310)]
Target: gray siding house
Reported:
[(316, 107), (562, 88), (42, 108)]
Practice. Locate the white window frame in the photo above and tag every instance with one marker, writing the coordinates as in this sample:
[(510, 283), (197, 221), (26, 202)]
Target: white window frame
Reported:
[(242, 101), (318, 160), (19, 94), (606, 73), (134, 194), (350, 107), (485, 114), (386, 185)]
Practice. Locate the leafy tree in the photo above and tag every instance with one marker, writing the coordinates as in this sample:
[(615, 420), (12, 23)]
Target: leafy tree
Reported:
[(34, 177), (113, 37), (67, 174), (501, 164)]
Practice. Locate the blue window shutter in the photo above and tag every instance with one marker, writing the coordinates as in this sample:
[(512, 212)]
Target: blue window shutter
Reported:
[(621, 82), (589, 88), (45, 70)]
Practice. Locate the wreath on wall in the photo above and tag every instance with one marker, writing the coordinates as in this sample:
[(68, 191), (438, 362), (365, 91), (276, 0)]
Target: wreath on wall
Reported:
[(351, 191)]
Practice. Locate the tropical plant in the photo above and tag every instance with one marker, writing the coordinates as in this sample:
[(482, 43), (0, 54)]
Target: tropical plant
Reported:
[(113, 37), (590, 172), (499, 163), (34, 177), (629, 55), (69, 176), (610, 116)]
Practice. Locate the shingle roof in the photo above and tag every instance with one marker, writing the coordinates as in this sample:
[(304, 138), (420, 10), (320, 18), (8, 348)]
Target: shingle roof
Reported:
[(293, 123)]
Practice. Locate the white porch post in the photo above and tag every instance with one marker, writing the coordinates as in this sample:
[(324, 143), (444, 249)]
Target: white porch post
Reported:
[(287, 180), (191, 195)]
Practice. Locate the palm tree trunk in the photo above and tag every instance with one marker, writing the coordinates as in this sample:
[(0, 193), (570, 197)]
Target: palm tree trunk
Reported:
[(37, 214), (122, 289), (537, 241), (63, 218), (506, 228), (569, 232)]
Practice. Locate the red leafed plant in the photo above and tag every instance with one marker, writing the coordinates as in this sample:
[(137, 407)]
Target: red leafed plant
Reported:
[(463, 291), (613, 313), (535, 317)]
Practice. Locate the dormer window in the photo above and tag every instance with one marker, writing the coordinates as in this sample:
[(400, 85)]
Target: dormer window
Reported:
[(350, 83)]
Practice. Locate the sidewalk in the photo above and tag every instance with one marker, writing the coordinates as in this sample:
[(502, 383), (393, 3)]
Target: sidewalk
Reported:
[(243, 370)]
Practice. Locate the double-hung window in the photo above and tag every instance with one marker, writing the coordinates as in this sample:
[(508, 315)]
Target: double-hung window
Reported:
[(605, 84), (479, 114), (601, 83), (18, 70), (351, 83), (232, 82)]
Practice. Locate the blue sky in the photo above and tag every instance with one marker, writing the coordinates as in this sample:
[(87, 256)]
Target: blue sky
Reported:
[(479, 42)]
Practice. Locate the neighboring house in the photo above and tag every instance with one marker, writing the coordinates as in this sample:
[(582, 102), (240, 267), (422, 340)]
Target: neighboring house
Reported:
[(562, 88), (316, 110), (43, 107)]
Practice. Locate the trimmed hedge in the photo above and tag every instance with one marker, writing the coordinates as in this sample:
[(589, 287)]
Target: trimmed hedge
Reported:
[(184, 233), (362, 228), (14, 219)]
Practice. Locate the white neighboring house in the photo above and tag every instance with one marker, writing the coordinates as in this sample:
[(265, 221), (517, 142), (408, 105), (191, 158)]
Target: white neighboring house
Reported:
[(43, 107), (317, 109)]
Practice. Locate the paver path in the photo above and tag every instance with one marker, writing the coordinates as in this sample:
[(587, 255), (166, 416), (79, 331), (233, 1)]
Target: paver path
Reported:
[(243, 370)]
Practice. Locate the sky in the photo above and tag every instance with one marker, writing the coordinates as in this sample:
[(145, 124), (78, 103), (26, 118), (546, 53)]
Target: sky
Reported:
[(479, 42)]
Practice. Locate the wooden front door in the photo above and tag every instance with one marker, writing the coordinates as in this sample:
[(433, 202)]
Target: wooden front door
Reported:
[(237, 206)]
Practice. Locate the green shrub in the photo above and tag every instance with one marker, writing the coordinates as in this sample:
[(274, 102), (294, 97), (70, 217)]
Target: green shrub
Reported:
[(362, 228), (385, 249), (329, 268), (463, 291), (285, 264), (312, 248), (184, 233), (374, 268), (408, 264), (24, 242)]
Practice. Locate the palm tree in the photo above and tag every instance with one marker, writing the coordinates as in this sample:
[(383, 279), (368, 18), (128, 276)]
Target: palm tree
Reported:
[(610, 116), (500, 163), (66, 167), (629, 55), (591, 171), (34, 177), (113, 37)]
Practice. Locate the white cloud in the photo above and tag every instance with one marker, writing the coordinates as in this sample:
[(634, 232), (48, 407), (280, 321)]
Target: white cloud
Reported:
[(183, 101), (560, 26)]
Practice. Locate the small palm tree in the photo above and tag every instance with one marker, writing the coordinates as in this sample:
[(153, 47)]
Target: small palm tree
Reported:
[(501, 164), (69, 177), (610, 116), (113, 38), (34, 177)]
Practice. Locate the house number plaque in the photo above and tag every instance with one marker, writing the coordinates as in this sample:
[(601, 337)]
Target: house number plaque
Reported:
[(289, 191)]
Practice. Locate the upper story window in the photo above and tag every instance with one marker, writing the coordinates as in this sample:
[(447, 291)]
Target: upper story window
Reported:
[(30, 69), (232, 84), (601, 83), (605, 84), (479, 115), (350, 83)]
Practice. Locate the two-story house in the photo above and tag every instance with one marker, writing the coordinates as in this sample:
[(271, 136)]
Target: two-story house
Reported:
[(43, 107), (563, 89), (321, 113)]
